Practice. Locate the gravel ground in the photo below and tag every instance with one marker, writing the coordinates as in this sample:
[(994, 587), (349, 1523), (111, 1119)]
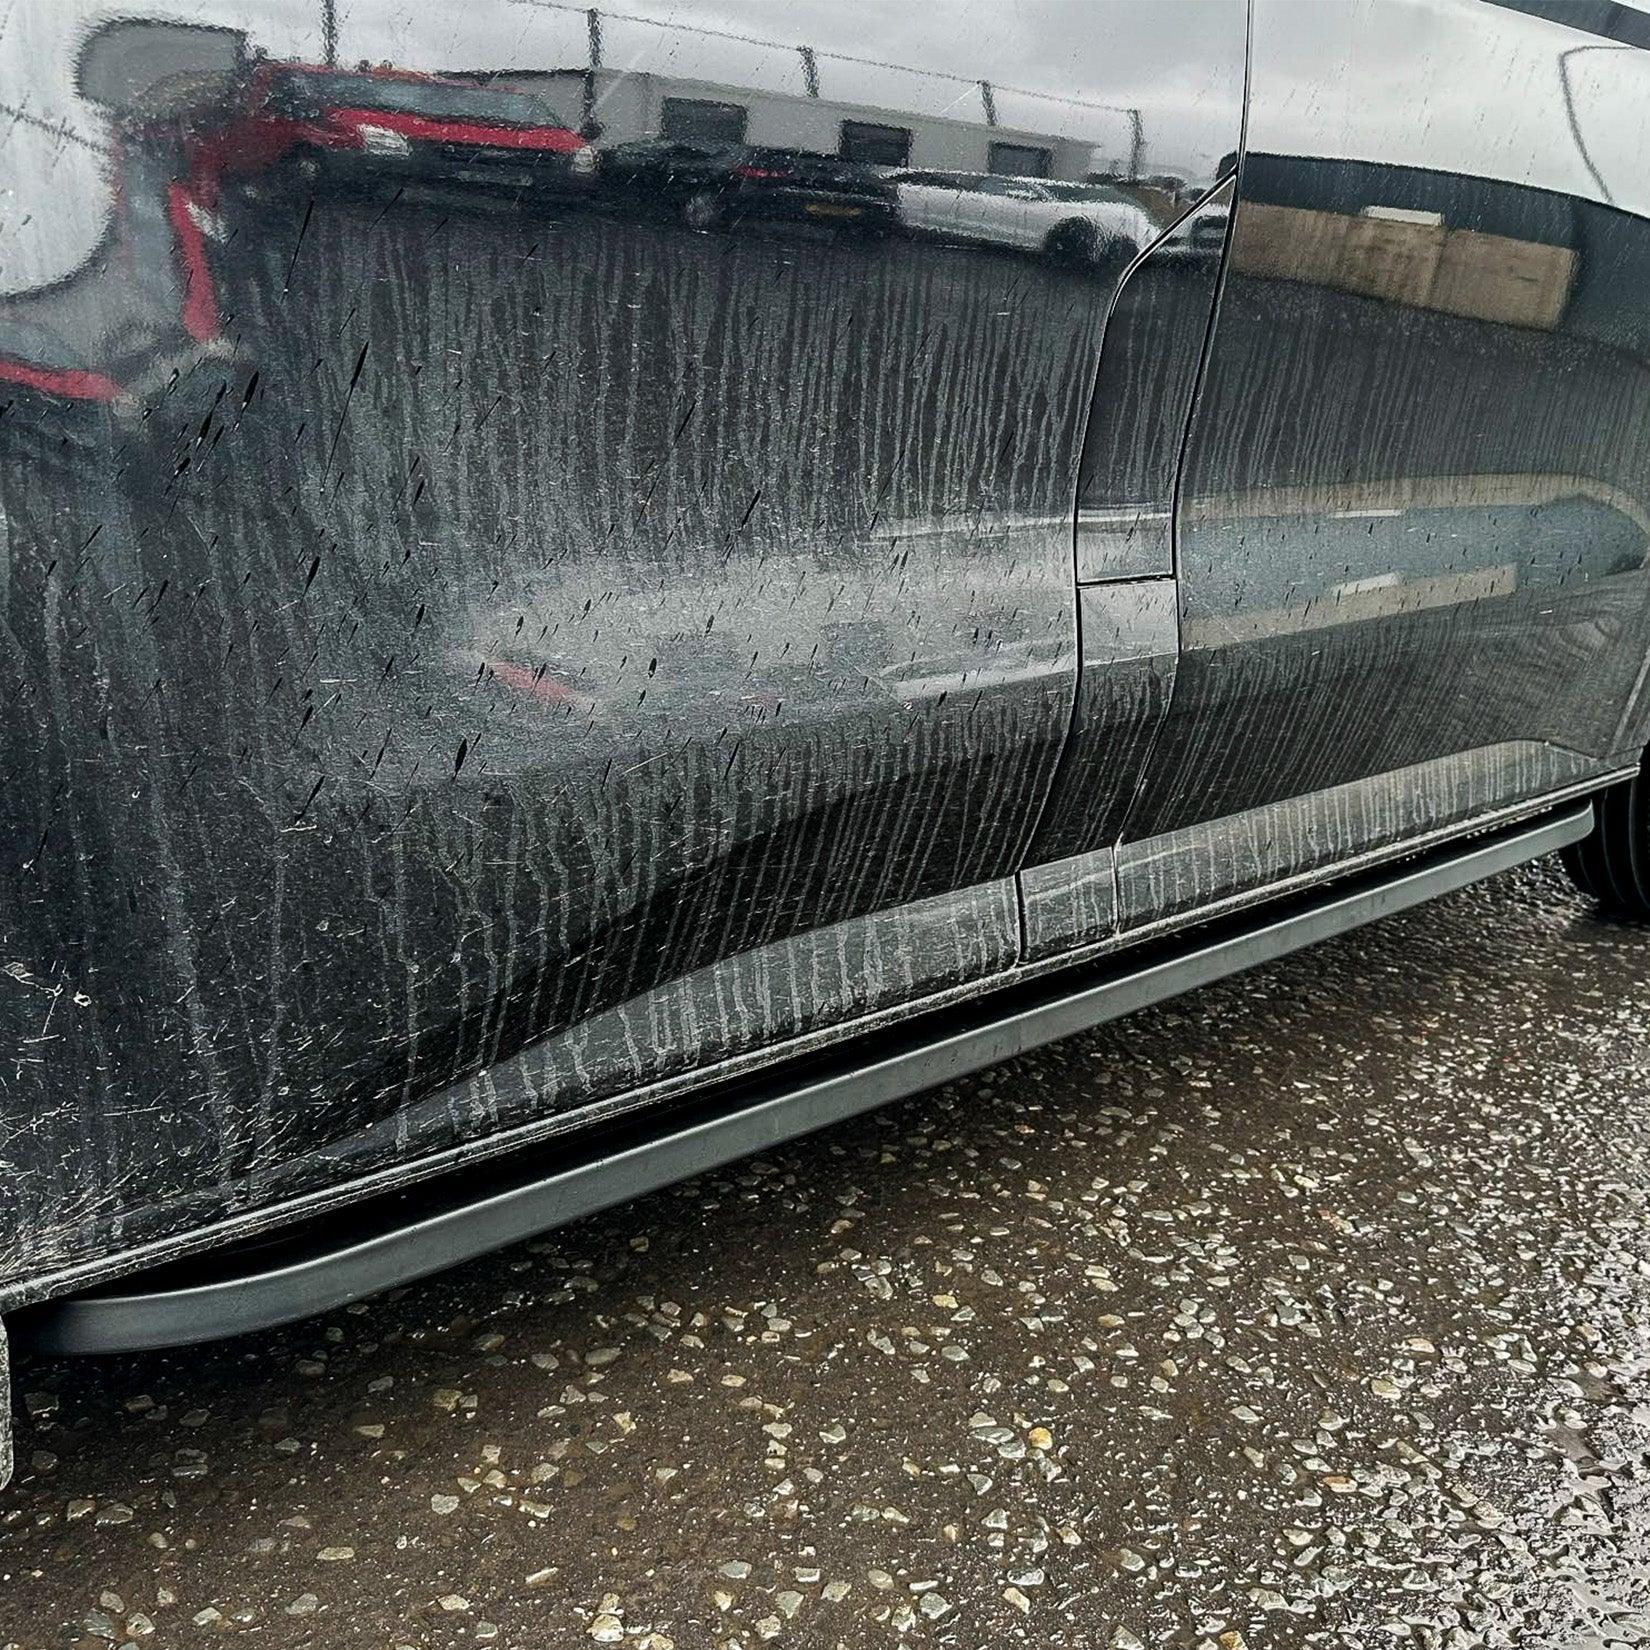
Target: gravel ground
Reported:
[(1313, 1309)]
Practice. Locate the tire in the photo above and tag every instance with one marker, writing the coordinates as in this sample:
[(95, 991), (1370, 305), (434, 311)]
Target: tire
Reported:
[(703, 210), (1072, 244), (1577, 863), (1612, 865), (1110, 264)]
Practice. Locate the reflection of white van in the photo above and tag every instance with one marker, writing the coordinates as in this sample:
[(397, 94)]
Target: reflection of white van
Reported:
[(1083, 222)]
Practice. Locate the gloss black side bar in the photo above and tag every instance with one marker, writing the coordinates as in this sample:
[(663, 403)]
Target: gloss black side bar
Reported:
[(407, 1235)]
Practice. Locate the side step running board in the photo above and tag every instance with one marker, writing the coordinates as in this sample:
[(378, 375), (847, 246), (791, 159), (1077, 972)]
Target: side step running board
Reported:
[(399, 1237)]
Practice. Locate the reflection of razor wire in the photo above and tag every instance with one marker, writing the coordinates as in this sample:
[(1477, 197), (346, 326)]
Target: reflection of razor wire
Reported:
[(55, 128), (811, 57)]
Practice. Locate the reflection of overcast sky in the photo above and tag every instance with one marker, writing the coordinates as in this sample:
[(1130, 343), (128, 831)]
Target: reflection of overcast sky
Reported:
[(1454, 85)]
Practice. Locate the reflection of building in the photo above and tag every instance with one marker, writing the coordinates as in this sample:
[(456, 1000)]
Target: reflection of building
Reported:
[(630, 105)]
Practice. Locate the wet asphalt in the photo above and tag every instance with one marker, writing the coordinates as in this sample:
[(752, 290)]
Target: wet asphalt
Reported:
[(1309, 1310)]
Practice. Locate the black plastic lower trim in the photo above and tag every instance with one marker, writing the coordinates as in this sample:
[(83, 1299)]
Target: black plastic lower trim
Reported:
[(406, 1235)]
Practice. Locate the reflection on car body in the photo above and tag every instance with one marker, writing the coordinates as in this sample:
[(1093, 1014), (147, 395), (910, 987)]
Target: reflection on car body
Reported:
[(711, 186), (387, 126), (1079, 223), (485, 655)]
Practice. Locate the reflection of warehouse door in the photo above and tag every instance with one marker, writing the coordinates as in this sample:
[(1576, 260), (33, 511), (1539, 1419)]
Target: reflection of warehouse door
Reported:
[(702, 120), (872, 144), (1019, 160)]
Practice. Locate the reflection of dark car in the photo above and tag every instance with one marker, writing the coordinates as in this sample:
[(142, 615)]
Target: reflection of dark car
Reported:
[(710, 185)]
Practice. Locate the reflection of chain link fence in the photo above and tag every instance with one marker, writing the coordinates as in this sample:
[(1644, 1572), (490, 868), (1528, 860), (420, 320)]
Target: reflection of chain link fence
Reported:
[(976, 105), (811, 57)]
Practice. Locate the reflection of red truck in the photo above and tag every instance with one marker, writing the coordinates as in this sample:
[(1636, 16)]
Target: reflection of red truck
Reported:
[(423, 126), (144, 303)]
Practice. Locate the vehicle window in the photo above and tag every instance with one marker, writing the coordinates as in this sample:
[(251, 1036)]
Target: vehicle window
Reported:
[(655, 149), (313, 94), (1019, 160), (1083, 192), (1010, 188), (874, 145), (702, 119)]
